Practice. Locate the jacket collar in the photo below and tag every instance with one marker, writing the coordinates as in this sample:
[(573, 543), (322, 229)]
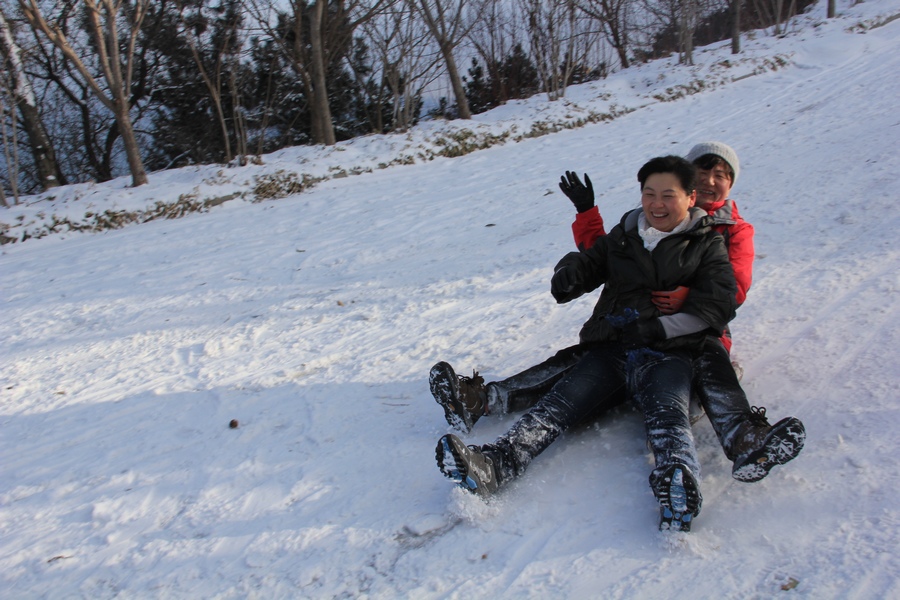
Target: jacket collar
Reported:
[(723, 213), (630, 219)]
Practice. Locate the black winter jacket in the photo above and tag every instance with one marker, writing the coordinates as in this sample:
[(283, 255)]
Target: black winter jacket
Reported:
[(696, 258)]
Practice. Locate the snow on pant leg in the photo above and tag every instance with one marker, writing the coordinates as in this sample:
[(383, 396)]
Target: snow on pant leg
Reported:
[(524, 390), (661, 384), (720, 392), (594, 384)]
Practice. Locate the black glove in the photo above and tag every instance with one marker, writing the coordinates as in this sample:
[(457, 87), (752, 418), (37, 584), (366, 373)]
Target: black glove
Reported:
[(581, 194), (640, 334), (564, 282)]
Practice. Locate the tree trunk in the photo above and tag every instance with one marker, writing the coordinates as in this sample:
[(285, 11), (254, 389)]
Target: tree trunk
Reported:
[(129, 140), (322, 127), (686, 31), (621, 47), (440, 27), (48, 170), (240, 123), (41, 146), (459, 91), (736, 26), (779, 6), (10, 153)]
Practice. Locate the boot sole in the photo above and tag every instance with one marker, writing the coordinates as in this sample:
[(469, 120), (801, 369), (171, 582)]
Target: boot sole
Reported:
[(454, 459), (444, 385), (784, 443), (680, 501)]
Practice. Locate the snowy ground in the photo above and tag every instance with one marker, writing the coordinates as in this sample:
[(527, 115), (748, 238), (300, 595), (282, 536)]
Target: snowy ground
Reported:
[(313, 320)]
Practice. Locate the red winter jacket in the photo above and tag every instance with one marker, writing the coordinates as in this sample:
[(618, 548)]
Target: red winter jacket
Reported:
[(738, 234)]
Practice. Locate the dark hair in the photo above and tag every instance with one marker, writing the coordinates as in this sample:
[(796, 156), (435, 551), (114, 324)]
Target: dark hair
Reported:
[(708, 162), (677, 166)]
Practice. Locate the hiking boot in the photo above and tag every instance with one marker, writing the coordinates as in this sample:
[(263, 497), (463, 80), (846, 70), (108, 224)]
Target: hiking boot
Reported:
[(471, 467), (464, 398), (678, 495), (758, 446)]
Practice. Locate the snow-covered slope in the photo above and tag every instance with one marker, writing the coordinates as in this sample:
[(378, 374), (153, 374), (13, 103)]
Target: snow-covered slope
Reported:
[(313, 321)]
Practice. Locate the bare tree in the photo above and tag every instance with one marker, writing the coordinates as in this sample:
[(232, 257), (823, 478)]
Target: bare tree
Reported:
[(613, 16), (559, 42), (407, 62), (82, 149), (23, 96), (679, 17), (222, 48), (779, 7), (102, 18), (319, 33), (493, 36), (446, 22), (500, 35), (792, 10), (545, 41), (687, 25), (84, 131), (772, 11)]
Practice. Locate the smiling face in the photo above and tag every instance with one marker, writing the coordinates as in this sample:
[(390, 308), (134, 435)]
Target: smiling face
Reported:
[(713, 184), (665, 201)]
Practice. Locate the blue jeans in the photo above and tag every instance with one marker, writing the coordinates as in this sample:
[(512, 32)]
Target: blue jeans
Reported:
[(715, 387), (605, 375), (661, 386)]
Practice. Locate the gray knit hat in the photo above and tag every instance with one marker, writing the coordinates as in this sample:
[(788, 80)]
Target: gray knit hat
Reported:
[(723, 151)]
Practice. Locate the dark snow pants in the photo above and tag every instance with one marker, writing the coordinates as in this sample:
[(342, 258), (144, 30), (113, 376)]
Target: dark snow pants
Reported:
[(523, 390), (715, 388), (604, 377)]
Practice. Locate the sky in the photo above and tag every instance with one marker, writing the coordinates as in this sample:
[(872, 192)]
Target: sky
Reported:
[(313, 319)]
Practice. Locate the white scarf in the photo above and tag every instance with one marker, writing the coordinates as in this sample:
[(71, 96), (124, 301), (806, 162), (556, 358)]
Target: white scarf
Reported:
[(653, 236)]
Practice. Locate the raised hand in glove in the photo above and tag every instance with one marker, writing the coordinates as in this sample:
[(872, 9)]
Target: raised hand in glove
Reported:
[(640, 334), (564, 282), (670, 302), (581, 194)]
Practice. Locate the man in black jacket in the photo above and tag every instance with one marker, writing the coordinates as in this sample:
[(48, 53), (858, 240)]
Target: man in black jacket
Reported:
[(748, 440), (662, 245)]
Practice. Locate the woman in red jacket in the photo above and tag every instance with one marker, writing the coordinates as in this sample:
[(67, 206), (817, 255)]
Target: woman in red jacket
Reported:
[(748, 440)]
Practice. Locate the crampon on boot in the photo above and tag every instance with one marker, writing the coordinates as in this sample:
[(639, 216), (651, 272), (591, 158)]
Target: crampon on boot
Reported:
[(463, 399), (469, 466), (759, 446), (678, 495)]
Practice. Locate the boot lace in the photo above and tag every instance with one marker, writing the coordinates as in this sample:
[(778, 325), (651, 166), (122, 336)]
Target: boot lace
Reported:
[(758, 415), (471, 391)]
